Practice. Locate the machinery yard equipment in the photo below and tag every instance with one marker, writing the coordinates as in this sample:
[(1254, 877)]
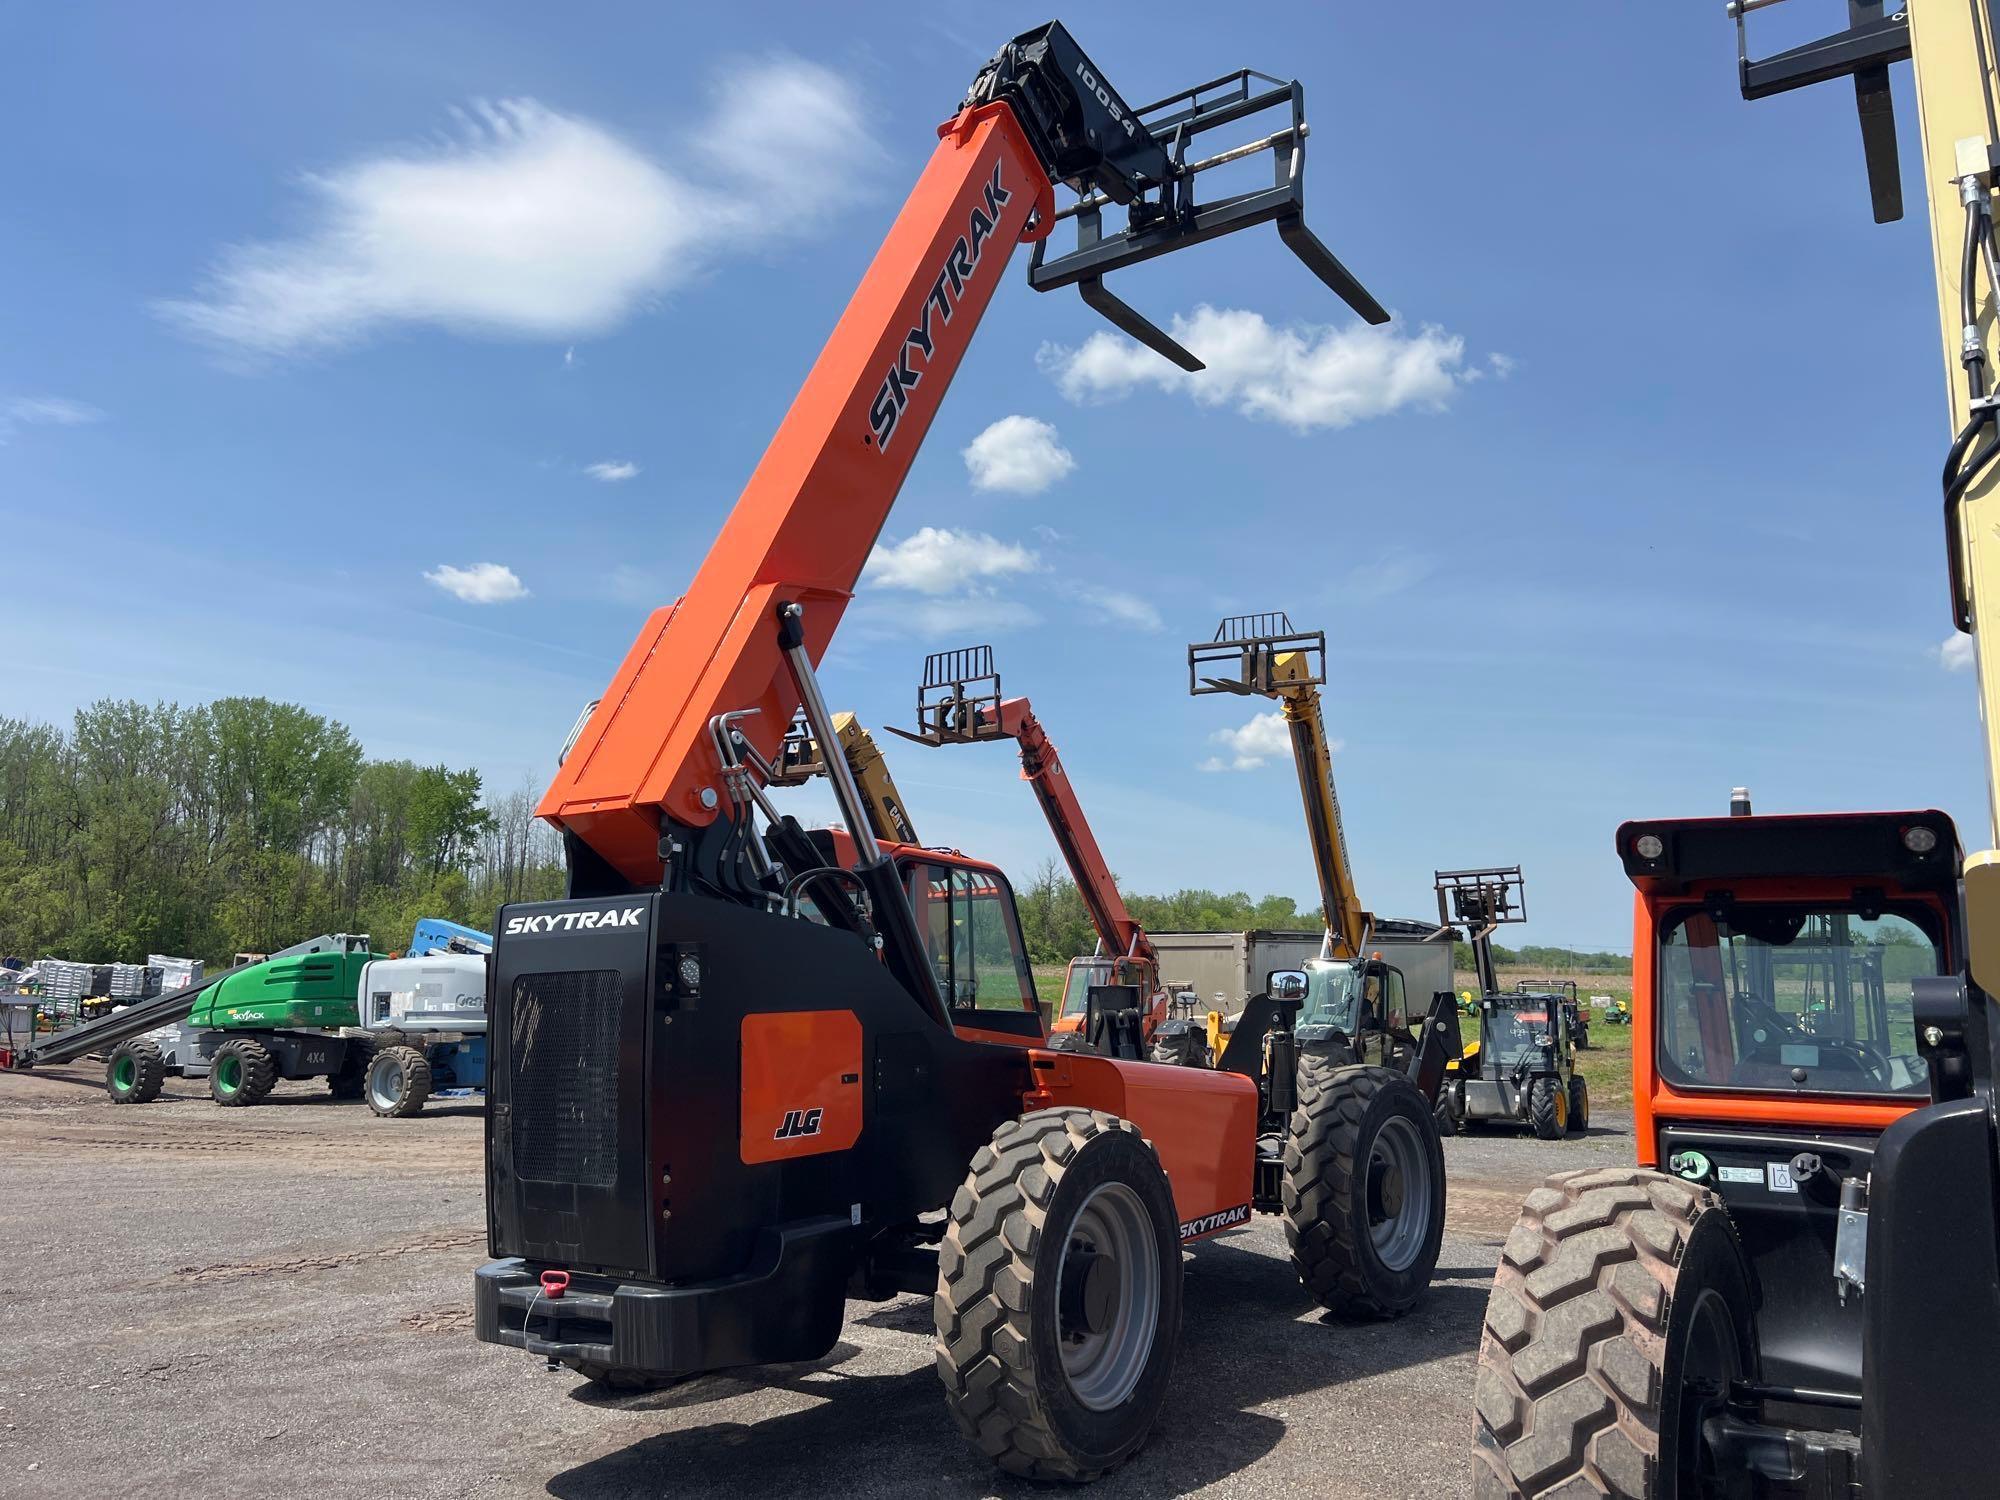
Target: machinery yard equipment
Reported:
[(1263, 656), (1797, 1290), (733, 1083), (393, 1031), (1358, 1005), (243, 1029), (426, 1015), (1522, 1067), (1113, 1001)]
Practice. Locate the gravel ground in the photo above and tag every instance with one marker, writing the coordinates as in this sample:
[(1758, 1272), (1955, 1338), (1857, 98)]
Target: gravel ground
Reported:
[(278, 1299)]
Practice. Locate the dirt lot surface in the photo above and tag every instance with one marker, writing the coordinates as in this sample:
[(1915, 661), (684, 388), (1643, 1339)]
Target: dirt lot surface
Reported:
[(278, 1301)]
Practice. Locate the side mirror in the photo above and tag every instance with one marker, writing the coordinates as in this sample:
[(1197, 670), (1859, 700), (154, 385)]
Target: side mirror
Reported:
[(1285, 984)]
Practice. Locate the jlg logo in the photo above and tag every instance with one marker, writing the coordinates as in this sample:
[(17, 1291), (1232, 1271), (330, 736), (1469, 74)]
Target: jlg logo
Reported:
[(1106, 98), (799, 1123)]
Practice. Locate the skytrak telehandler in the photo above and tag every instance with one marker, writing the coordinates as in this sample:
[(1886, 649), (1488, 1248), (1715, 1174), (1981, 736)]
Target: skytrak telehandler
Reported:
[(1521, 1068), (732, 1085), (1797, 1291)]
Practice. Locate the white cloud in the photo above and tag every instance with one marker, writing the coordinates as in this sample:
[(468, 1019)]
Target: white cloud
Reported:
[(482, 583), (43, 411), (1955, 653), (1264, 739), (936, 618), (613, 471), (535, 223), (1305, 377), (1019, 454), (939, 561), (1123, 608)]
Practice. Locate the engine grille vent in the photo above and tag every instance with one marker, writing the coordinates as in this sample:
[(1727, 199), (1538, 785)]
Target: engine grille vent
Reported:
[(563, 1068)]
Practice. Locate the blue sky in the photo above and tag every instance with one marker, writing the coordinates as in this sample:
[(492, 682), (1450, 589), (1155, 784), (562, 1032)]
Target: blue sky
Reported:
[(1634, 502)]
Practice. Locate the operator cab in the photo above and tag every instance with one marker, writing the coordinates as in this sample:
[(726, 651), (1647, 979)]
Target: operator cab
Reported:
[(971, 933), (1517, 1026), (1358, 998), (1775, 963)]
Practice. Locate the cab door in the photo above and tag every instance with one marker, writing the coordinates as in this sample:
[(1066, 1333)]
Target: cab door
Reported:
[(972, 935)]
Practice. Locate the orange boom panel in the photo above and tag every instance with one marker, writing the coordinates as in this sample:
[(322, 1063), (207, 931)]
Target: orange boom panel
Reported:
[(813, 508)]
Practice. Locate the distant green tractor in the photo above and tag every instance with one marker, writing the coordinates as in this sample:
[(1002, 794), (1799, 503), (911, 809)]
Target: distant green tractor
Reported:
[(281, 1018)]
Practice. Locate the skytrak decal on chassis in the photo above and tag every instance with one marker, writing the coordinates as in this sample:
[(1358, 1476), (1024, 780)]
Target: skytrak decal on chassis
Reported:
[(1226, 1218)]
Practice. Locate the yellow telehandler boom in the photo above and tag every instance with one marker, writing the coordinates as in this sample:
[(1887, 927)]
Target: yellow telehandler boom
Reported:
[(1263, 656)]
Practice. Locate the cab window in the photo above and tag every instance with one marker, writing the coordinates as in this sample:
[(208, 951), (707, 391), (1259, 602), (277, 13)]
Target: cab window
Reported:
[(966, 917), (1793, 999)]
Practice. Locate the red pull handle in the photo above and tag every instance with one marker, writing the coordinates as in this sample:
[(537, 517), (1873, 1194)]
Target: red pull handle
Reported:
[(554, 1283)]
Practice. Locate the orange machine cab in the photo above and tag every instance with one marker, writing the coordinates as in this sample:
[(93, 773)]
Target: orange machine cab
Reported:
[(1771, 959)]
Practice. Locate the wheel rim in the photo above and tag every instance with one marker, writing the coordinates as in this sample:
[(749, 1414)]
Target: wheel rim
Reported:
[(1108, 1296), (1399, 1193), (1710, 1360), (124, 1073), (1562, 1110), (385, 1082), (228, 1074)]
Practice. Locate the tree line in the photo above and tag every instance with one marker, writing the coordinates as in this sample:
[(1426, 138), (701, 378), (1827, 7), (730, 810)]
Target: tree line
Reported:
[(246, 825), (242, 825)]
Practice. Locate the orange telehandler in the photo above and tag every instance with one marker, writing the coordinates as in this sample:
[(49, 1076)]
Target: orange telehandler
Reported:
[(733, 1081)]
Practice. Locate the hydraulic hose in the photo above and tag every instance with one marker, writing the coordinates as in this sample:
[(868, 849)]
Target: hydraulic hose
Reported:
[(1961, 471)]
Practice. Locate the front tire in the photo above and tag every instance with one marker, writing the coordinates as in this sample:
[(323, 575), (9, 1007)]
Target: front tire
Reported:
[(1059, 1295), (399, 1081), (1579, 1104), (135, 1072), (242, 1073), (1186, 1049), (1548, 1108), (1363, 1191), (1618, 1292)]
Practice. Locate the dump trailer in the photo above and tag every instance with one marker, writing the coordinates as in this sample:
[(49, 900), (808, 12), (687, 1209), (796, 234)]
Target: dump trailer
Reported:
[(737, 1079), (1224, 969)]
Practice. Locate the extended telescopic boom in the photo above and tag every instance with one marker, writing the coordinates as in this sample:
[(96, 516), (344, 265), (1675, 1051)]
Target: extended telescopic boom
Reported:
[(644, 778)]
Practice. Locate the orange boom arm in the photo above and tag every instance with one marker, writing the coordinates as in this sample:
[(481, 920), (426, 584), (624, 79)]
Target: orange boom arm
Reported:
[(812, 510)]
